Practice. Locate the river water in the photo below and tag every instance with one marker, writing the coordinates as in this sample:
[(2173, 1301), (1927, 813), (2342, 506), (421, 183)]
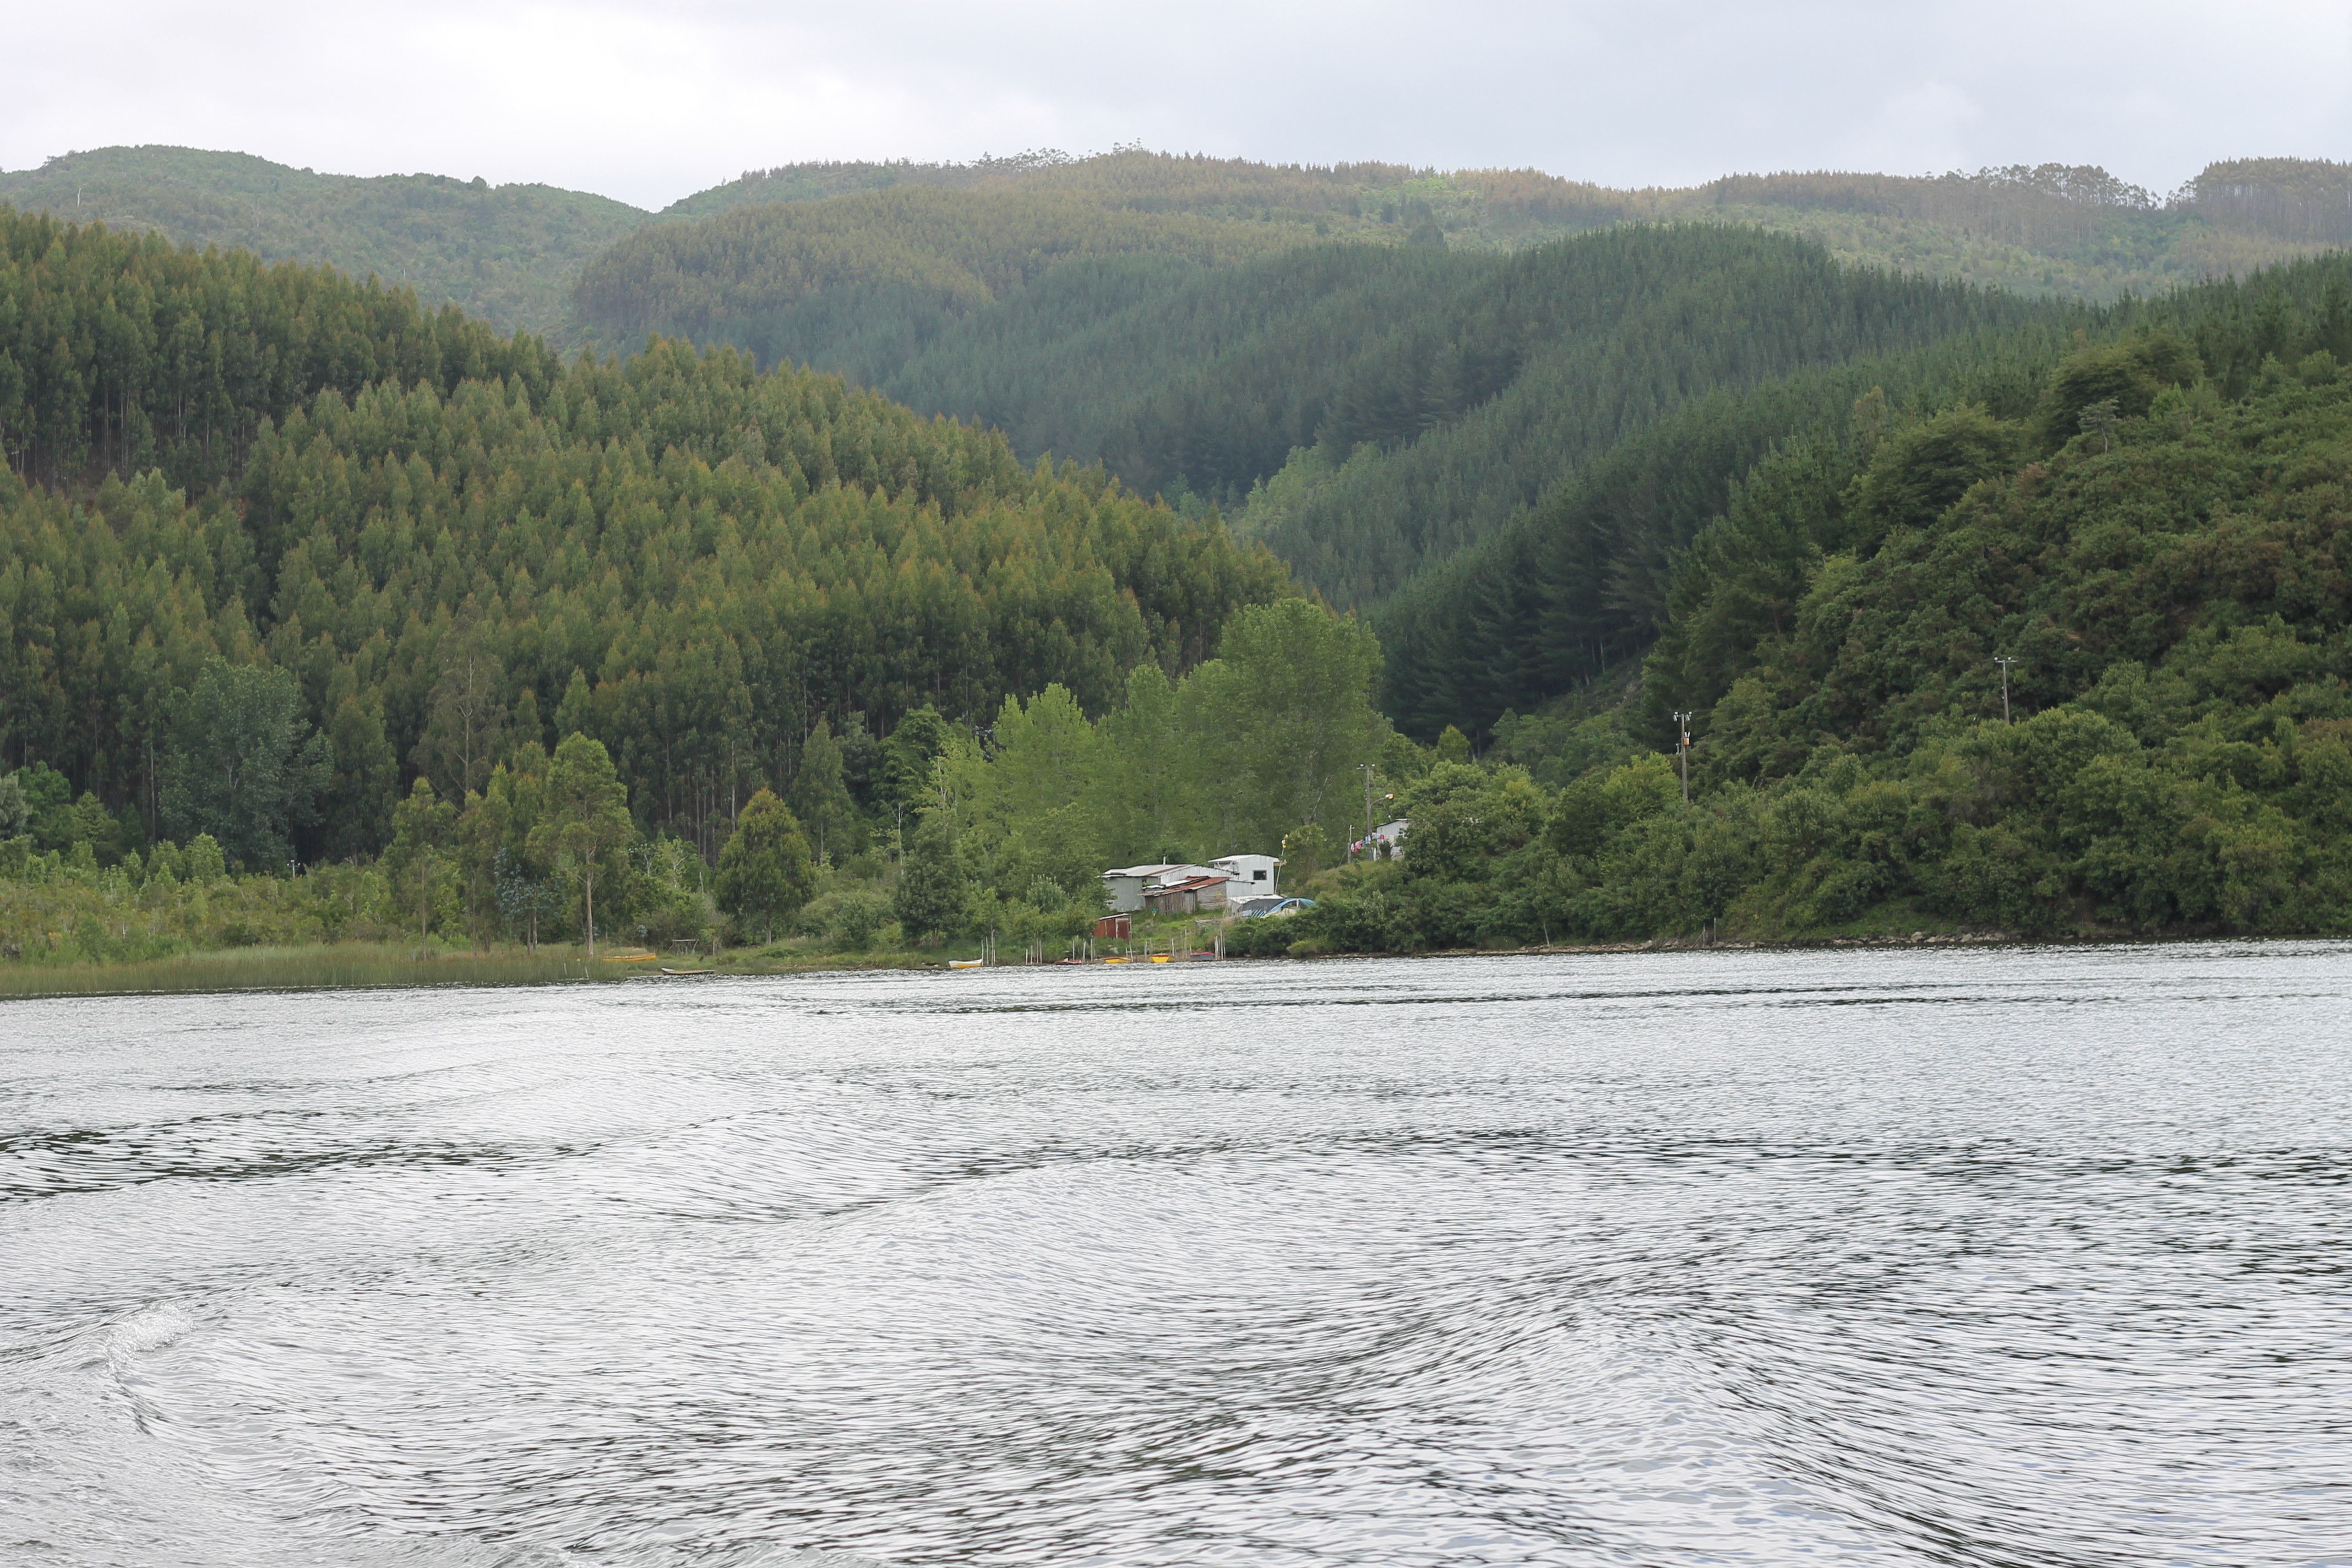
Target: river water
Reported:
[(2019, 1257)]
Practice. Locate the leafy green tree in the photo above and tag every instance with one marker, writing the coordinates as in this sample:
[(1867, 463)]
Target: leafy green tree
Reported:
[(1148, 776), (907, 760), (48, 799), (465, 715), (577, 710), (524, 883), (819, 799), (1292, 697), (14, 813), (204, 859), (480, 834), (1036, 815), (244, 767), (354, 809), (933, 894), (95, 826), (1920, 471), (765, 873), (420, 860), (585, 819)]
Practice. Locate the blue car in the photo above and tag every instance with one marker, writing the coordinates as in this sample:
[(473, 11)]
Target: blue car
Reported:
[(1258, 909)]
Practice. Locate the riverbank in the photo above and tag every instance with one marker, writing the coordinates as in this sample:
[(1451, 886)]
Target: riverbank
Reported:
[(380, 966), (339, 966)]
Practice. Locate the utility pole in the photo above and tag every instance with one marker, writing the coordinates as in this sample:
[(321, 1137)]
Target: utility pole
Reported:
[(1682, 722), (2004, 664), (1368, 808)]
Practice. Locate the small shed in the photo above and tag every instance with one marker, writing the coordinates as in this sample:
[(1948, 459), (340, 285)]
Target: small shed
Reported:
[(1188, 897), (1123, 886)]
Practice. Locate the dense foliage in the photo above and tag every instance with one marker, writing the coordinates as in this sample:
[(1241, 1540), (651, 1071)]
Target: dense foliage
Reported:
[(2162, 547), (1418, 397), (1581, 583), (1256, 750), (124, 354), (453, 544)]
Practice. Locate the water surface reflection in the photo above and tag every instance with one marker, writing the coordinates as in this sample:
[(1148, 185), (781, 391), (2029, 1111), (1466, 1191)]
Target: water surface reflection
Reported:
[(2015, 1257)]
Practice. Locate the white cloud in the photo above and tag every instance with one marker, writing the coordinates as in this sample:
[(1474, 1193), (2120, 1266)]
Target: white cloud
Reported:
[(647, 102)]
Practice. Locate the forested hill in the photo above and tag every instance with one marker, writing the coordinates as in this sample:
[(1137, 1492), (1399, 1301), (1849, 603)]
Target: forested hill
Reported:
[(1573, 589), (1368, 410), (505, 254), (451, 543), (2074, 662)]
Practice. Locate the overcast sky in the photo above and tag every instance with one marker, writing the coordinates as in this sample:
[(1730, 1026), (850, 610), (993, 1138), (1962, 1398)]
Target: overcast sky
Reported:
[(649, 101)]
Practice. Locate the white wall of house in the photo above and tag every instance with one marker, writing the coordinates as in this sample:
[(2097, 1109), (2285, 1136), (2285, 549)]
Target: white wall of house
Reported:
[(1249, 876)]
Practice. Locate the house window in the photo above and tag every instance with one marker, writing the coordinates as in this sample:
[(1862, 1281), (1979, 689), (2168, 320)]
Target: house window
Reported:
[(1258, 874)]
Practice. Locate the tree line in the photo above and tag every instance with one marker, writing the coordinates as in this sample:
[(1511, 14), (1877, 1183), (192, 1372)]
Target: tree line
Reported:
[(941, 830)]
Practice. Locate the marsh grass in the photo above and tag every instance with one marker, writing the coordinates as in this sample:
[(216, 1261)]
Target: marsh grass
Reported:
[(329, 966)]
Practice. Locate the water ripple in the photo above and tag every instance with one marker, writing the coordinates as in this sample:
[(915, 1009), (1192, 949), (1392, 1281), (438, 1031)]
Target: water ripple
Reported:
[(1937, 1258)]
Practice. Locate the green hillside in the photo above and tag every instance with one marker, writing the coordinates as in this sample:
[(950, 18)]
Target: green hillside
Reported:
[(505, 254), (2073, 232), (451, 544), (1412, 399), (2153, 542), (293, 571), (1370, 368), (1576, 586)]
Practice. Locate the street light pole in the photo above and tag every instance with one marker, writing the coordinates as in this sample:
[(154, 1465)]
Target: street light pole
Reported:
[(2004, 664), (1682, 722)]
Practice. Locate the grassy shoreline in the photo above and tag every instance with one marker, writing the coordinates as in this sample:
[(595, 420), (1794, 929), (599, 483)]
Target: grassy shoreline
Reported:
[(355, 966), (352, 966)]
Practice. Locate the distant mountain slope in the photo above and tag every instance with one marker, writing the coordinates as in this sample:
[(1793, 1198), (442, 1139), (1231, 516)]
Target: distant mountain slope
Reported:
[(1375, 408), (2050, 229), (1414, 400), (511, 253), (948, 251), (505, 253)]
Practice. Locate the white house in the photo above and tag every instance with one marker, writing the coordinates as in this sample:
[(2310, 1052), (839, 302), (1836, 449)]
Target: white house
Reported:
[(1248, 876)]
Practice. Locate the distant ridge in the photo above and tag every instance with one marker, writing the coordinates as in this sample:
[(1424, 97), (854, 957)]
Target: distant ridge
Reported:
[(504, 253), (511, 254)]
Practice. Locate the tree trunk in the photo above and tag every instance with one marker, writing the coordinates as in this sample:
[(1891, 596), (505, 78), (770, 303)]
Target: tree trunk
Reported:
[(588, 884)]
